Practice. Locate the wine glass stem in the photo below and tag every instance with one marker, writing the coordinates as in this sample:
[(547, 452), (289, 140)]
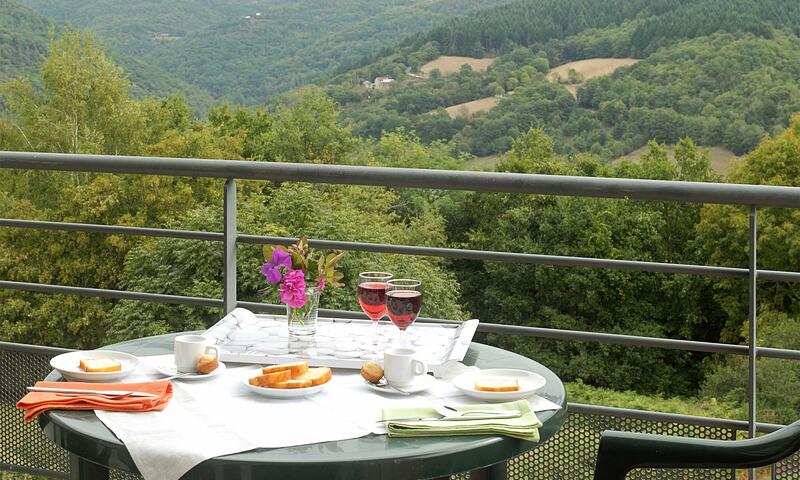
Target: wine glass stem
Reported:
[(402, 338), (375, 332)]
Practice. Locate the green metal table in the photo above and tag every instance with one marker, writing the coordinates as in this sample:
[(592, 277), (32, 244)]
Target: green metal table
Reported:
[(94, 449)]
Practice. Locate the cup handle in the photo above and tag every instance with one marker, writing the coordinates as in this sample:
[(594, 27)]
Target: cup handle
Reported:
[(420, 368), (215, 348)]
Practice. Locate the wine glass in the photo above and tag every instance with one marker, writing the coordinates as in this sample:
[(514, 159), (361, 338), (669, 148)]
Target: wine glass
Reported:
[(403, 303), (372, 297)]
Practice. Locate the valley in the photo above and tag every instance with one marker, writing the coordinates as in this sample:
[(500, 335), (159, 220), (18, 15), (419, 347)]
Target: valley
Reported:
[(214, 48)]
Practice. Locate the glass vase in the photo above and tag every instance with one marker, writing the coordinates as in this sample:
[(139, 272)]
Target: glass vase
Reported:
[(303, 320)]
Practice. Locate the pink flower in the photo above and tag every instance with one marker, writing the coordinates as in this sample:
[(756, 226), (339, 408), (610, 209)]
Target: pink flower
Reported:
[(293, 289)]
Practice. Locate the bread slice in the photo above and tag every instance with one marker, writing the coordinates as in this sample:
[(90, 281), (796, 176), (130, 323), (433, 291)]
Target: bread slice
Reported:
[(207, 364), (292, 384), (497, 385), (297, 368), (318, 375), (100, 365), (270, 379)]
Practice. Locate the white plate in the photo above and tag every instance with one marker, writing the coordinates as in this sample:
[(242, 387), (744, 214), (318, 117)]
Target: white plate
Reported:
[(68, 365), (529, 383), (169, 369), (278, 392), (421, 384)]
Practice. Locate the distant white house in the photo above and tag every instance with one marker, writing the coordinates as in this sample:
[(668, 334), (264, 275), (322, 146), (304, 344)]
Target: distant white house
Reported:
[(382, 82), (378, 84)]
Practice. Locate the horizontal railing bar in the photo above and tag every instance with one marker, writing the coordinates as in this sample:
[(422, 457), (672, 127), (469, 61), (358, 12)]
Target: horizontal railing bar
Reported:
[(10, 467), (598, 187), (36, 349), (551, 333), (669, 417), (107, 293), (534, 258), (482, 255), (637, 341), (111, 229)]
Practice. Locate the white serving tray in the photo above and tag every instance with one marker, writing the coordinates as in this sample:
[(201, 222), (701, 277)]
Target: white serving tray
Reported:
[(244, 337)]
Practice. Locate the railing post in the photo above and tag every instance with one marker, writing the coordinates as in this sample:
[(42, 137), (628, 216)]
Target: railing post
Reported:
[(229, 246), (751, 384)]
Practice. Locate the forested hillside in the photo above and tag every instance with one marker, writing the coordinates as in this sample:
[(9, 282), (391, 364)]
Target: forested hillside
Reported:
[(724, 79), (659, 22), (23, 40), (214, 47)]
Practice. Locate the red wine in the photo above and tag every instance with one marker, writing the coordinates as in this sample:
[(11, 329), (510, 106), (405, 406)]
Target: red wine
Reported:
[(372, 297), (403, 306)]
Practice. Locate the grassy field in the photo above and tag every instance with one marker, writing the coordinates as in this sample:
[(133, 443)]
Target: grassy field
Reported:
[(469, 109), (588, 69), (720, 157), (483, 163), (447, 64)]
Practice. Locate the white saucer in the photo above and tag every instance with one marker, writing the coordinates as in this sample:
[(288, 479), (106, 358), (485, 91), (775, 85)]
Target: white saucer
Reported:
[(421, 384), (168, 370), (529, 383)]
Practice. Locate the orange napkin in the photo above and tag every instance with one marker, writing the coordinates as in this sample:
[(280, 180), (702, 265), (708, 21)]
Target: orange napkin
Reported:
[(35, 403)]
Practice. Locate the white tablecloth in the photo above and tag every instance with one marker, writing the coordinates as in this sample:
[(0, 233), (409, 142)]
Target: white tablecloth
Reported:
[(220, 416)]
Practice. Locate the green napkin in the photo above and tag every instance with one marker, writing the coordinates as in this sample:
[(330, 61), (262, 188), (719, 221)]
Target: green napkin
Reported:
[(525, 427)]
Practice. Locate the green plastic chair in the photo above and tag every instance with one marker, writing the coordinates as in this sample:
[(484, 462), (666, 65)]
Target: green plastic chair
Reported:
[(620, 452)]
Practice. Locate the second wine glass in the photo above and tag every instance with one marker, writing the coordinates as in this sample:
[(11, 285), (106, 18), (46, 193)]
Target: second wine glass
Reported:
[(403, 303)]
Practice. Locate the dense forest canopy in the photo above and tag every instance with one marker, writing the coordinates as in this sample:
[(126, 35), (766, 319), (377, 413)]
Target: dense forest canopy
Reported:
[(23, 40), (662, 22), (699, 74)]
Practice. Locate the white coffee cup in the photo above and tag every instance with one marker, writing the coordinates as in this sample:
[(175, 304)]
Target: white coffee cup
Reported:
[(189, 349), (401, 368)]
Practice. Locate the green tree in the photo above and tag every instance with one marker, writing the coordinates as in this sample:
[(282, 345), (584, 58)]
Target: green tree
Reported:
[(95, 93), (532, 153), (83, 106), (305, 129)]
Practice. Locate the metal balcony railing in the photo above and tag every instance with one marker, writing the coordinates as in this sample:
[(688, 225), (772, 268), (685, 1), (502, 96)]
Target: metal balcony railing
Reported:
[(583, 418)]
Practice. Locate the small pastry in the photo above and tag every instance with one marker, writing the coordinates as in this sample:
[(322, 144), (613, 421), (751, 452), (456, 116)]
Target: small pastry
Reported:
[(372, 372), (207, 364)]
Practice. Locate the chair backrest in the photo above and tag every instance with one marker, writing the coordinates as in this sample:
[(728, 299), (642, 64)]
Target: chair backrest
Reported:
[(620, 452)]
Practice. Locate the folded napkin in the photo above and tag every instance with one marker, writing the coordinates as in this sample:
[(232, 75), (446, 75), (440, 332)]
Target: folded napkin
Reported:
[(35, 403), (525, 427)]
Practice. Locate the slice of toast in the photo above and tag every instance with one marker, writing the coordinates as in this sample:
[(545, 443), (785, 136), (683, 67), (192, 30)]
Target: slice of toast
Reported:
[(100, 365), (270, 379), (207, 364), (297, 368), (318, 375), (497, 385), (292, 384)]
